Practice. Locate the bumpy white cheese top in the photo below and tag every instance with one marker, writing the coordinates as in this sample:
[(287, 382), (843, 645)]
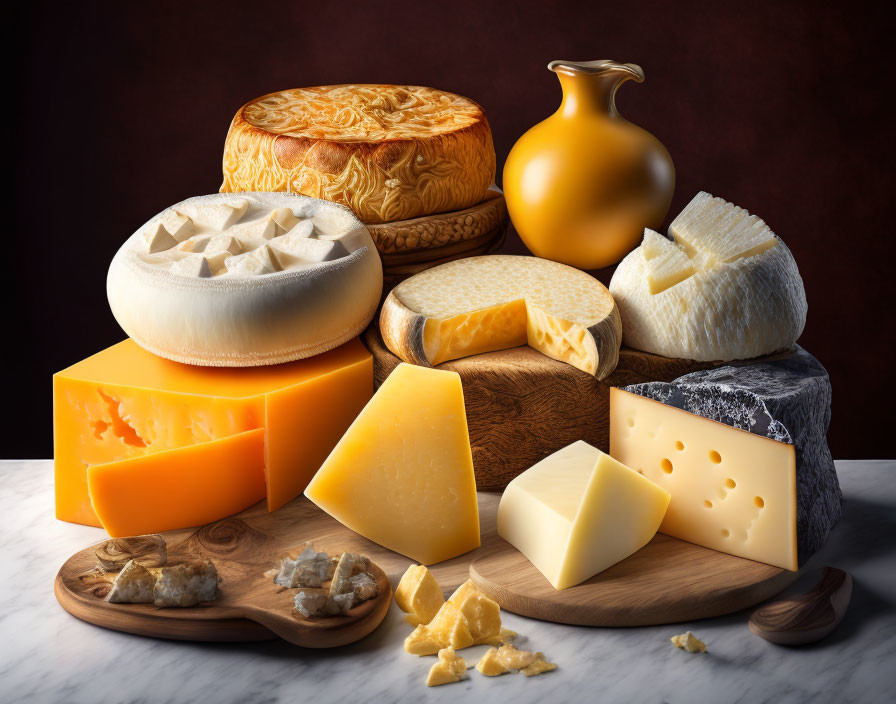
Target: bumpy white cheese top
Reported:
[(726, 288), (476, 283), (239, 237), (246, 279)]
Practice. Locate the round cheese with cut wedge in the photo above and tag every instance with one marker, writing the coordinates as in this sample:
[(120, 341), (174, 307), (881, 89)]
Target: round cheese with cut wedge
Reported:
[(483, 304), (725, 288), (388, 152), (246, 280)]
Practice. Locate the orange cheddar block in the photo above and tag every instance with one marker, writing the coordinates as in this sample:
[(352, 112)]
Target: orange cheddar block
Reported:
[(172, 489), (125, 403)]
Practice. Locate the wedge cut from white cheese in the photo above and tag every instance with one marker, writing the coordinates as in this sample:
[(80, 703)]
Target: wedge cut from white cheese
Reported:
[(578, 512), (483, 304), (726, 288), (248, 280), (402, 475)]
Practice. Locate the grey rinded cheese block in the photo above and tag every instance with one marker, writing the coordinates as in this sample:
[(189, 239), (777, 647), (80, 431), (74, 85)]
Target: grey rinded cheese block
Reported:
[(786, 399)]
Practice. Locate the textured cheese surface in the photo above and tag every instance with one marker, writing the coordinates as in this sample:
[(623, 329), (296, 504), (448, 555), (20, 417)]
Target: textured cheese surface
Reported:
[(578, 512), (727, 288), (402, 475), (124, 403), (731, 490), (786, 399), (449, 668), (481, 304), (389, 152), (250, 279)]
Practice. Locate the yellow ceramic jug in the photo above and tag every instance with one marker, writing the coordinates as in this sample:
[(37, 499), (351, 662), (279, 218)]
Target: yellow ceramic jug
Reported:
[(582, 185)]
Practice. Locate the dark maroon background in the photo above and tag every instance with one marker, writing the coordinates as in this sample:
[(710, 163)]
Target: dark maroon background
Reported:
[(121, 109)]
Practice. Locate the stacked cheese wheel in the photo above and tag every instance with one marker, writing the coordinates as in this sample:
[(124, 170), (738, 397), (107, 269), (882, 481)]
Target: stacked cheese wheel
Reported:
[(414, 163)]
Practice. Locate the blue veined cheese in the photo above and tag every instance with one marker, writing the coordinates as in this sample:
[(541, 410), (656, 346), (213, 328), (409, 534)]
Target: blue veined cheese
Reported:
[(742, 451)]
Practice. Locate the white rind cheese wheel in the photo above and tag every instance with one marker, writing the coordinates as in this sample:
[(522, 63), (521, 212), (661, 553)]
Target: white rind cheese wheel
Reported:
[(247, 279), (726, 288), (483, 304)]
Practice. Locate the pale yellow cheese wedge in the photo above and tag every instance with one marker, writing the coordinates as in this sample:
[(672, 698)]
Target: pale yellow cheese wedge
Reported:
[(490, 665), (402, 475), (578, 512), (731, 490), (448, 629), (483, 304)]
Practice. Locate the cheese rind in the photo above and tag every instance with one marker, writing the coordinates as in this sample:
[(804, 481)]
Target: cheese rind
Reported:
[(389, 152), (482, 304), (124, 403), (402, 475), (765, 423), (726, 289), (578, 512)]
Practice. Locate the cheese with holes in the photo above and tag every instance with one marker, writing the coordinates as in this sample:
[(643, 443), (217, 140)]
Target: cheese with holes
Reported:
[(726, 288), (483, 304), (388, 152), (402, 475), (578, 512), (742, 451), (246, 280), (114, 412)]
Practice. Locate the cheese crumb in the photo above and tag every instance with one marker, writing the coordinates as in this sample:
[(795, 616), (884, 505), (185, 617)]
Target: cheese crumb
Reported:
[(539, 666), (688, 641), (490, 665), (419, 595), (449, 668)]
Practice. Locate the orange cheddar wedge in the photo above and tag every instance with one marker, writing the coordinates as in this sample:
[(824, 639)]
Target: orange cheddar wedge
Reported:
[(125, 403), (174, 489)]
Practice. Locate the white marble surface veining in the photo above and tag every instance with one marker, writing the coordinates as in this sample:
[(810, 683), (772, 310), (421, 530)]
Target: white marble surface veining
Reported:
[(46, 655)]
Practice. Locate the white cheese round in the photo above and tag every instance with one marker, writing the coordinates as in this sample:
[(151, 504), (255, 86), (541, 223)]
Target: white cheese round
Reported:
[(726, 288), (246, 279)]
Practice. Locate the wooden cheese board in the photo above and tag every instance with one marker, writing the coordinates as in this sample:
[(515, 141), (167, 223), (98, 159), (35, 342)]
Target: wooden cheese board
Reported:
[(668, 580), (522, 406)]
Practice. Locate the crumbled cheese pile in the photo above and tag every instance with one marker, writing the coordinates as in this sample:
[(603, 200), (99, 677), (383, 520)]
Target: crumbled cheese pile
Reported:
[(467, 618), (350, 582)]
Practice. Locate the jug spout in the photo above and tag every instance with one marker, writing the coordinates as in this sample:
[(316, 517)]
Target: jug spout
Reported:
[(592, 85)]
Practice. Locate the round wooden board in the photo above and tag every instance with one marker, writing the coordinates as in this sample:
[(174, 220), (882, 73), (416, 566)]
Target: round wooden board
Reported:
[(522, 406), (666, 581)]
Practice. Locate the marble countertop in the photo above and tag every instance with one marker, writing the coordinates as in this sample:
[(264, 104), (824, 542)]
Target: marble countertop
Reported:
[(46, 655)]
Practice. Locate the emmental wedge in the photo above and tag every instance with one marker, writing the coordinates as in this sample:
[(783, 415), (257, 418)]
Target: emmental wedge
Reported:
[(484, 304)]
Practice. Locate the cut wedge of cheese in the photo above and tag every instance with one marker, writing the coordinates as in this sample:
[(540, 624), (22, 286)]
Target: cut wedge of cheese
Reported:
[(578, 512), (727, 288), (402, 475), (483, 304), (388, 152), (190, 486), (256, 279), (731, 490), (124, 404)]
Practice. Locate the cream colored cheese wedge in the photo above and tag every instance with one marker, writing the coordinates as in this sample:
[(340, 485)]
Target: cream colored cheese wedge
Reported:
[(483, 304), (727, 288), (246, 279), (578, 512)]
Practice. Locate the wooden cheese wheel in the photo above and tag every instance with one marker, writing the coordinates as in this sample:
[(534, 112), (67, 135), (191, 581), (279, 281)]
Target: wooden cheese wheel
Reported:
[(522, 406)]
